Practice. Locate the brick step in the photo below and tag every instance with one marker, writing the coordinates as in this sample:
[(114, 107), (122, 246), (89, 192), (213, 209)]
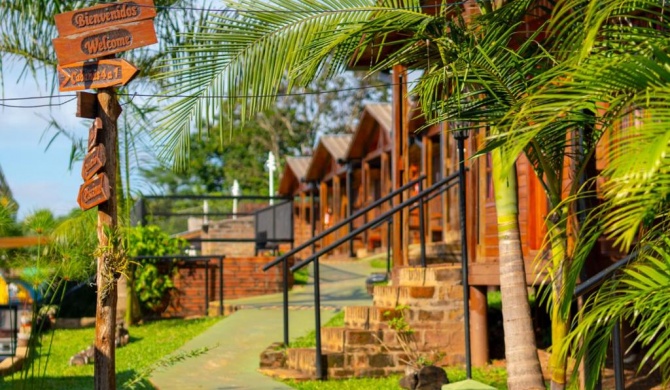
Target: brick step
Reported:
[(285, 373), (429, 276), (436, 253), (392, 296), (303, 360), (332, 339), (357, 317)]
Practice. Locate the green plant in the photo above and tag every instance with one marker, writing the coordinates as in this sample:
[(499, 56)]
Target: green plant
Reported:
[(404, 334), (152, 281), (301, 276)]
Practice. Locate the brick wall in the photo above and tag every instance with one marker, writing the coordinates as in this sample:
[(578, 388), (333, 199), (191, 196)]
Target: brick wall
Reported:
[(242, 277), (242, 227)]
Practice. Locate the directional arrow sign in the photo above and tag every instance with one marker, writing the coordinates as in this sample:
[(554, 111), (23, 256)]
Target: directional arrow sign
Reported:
[(105, 41), (93, 162), (93, 192), (98, 74)]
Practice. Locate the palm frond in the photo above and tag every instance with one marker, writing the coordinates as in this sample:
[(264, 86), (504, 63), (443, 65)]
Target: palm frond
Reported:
[(640, 295), (237, 62)]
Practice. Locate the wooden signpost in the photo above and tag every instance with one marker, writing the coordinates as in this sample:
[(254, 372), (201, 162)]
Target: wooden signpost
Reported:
[(93, 162), (99, 74), (104, 15), (94, 192), (93, 134), (103, 42), (89, 34)]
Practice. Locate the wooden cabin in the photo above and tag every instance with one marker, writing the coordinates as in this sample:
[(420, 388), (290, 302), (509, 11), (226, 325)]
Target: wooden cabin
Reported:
[(293, 183), (371, 148), (336, 178)]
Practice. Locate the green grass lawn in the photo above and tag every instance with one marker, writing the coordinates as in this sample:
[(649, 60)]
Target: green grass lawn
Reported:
[(148, 344)]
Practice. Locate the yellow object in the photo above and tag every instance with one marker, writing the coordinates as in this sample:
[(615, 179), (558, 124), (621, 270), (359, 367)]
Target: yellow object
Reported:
[(4, 291)]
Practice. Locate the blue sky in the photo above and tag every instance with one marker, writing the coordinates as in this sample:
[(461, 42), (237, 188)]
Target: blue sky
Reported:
[(37, 178)]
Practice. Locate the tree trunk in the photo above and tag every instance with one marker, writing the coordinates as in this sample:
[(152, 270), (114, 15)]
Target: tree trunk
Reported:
[(105, 313), (523, 365), (560, 318)]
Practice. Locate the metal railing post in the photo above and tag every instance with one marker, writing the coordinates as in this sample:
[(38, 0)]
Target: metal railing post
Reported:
[(422, 232), (317, 319), (464, 252), (206, 287), (285, 292), (220, 285), (388, 246)]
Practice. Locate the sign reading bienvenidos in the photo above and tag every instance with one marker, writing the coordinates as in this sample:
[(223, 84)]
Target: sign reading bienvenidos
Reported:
[(103, 30), (104, 15)]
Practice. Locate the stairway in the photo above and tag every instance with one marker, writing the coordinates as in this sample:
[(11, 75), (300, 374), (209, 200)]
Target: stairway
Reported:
[(367, 347)]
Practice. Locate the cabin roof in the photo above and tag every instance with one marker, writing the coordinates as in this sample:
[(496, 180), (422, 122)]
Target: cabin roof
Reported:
[(294, 173), (330, 146), (378, 113)]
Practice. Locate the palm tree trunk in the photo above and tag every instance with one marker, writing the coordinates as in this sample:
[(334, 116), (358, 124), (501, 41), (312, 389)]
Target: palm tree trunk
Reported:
[(523, 365), (560, 319)]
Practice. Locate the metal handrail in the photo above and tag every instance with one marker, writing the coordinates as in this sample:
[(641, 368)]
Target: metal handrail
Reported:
[(617, 349), (343, 222), (377, 220), (315, 256)]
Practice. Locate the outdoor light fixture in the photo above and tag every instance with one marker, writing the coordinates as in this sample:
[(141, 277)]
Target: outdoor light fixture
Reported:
[(235, 190), (205, 220), (271, 165)]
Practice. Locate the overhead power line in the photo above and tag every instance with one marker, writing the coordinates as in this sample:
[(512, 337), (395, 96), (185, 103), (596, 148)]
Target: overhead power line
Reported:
[(169, 96)]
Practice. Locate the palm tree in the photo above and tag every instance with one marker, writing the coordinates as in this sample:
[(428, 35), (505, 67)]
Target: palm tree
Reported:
[(298, 41), (614, 63)]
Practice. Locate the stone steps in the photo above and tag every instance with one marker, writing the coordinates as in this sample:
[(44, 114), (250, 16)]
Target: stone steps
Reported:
[(366, 346)]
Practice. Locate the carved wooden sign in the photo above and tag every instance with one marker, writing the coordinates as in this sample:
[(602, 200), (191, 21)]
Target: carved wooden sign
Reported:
[(94, 192), (94, 133), (98, 74), (103, 42), (93, 162), (104, 15)]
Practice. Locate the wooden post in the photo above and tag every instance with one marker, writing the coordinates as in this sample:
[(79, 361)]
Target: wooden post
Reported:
[(400, 166), (105, 313), (479, 326)]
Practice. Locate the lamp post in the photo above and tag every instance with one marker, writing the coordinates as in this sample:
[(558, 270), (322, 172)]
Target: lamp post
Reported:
[(235, 190), (271, 165), (460, 135), (205, 211)]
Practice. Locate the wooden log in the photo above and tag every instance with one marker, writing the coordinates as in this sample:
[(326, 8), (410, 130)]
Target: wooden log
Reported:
[(105, 314)]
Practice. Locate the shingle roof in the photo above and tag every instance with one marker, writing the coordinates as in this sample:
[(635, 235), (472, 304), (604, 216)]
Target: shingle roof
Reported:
[(382, 114), (299, 165), (337, 145)]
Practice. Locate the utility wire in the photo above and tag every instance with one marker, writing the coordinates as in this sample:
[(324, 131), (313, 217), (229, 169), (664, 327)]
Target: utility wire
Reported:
[(306, 11), (309, 93)]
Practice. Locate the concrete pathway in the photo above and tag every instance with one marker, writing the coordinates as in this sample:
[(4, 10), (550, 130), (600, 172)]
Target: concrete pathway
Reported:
[(239, 339)]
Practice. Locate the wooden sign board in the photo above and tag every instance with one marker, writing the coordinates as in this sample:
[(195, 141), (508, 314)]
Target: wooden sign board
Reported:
[(94, 133), (103, 42), (104, 15), (98, 74), (94, 192), (87, 105), (93, 162)]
